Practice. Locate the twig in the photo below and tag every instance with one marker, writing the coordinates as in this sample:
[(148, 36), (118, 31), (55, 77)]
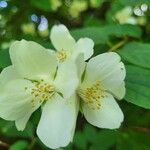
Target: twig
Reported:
[(118, 45), (142, 129), (32, 144), (3, 144)]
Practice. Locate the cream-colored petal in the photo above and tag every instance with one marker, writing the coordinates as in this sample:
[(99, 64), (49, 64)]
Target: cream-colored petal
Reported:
[(9, 73), (85, 46), (80, 63), (16, 102), (119, 92), (108, 116), (66, 80), (114, 81), (61, 38), (21, 122), (57, 123), (100, 65), (32, 60), (109, 70)]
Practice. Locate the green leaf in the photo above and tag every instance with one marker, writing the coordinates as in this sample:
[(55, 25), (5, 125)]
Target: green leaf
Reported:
[(101, 35), (19, 145), (80, 140), (10, 130), (106, 138), (42, 4), (4, 58), (136, 53), (123, 30), (133, 140), (91, 21), (138, 86), (96, 3), (90, 131), (46, 5), (134, 2), (134, 110)]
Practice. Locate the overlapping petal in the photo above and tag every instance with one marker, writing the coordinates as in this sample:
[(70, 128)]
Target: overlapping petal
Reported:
[(80, 65), (9, 73), (66, 81), (57, 123), (85, 46), (61, 38), (32, 61)]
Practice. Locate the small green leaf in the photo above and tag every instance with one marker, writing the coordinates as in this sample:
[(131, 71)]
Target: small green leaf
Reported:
[(19, 145)]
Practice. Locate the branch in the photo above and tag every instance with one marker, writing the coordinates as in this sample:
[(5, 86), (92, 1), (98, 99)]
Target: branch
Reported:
[(118, 45), (3, 144), (32, 144)]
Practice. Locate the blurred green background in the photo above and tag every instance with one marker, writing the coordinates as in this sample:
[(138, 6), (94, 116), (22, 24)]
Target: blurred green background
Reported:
[(114, 25)]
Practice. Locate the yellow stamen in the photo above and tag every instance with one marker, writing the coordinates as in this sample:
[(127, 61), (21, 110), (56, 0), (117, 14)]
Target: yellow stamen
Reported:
[(92, 95), (42, 92), (62, 56)]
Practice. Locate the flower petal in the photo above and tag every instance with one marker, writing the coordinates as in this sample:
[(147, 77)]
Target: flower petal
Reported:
[(61, 38), (108, 116), (66, 80), (8, 74), (80, 63), (16, 102), (57, 123), (85, 46), (120, 91), (114, 82), (21, 122), (32, 60), (109, 70)]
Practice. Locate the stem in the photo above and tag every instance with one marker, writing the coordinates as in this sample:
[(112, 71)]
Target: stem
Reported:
[(118, 45), (142, 129), (3, 144), (32, 144)]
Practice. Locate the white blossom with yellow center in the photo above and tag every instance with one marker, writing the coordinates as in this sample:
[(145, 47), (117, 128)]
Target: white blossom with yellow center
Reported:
[(66, 46), (34, 79), (102, 80)]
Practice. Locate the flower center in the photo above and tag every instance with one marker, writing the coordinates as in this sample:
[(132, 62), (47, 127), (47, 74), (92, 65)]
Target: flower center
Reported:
[(62, 56), (92, 95), (42, 91)]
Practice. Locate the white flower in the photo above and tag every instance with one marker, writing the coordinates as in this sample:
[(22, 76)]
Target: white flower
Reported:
[(34, 79), (103, 79), (67, 47), (125, 16)]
